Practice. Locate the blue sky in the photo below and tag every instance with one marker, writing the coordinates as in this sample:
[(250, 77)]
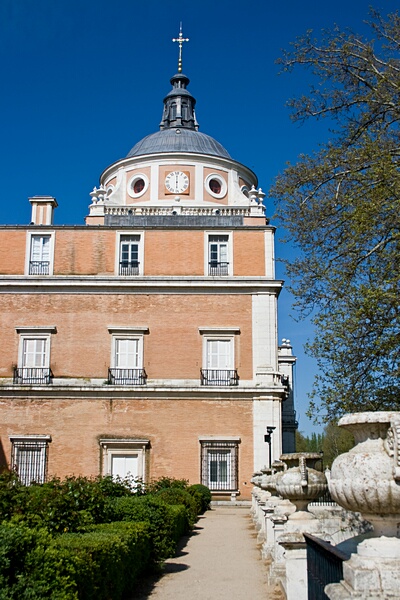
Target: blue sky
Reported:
[(83, 81)]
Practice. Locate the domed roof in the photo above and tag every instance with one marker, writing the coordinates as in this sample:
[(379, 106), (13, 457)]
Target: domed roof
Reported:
[(178, 139)]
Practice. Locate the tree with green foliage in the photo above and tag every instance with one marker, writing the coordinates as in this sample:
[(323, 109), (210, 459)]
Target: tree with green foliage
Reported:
[(341, 209), (333, 441)]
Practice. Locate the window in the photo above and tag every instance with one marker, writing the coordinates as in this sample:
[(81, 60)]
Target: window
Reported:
[(138, 185), (127, 356), (219, 254), (215, 185), (130, 255), (219, 464), (124, 458), (218, 357), (40, 254), (34, 356), (29, 456)]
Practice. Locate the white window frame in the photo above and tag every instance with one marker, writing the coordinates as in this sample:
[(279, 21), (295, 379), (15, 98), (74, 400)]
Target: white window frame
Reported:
[(131, 182), (127, 333), (221, 180), (207, 241), (119, 238), (28, 251), (224, 334), (34, 333), (39, 443), (220, 445), (111, 447)]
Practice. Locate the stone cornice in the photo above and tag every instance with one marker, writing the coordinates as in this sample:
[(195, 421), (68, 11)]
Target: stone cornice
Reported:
[(110, 392), (138, 285)]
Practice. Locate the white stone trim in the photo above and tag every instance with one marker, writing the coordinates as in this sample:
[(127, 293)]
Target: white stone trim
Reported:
[(264, 333), (266, 412), (220, 438), (269, 245), (210, 331), (26, 438), (29, 329), (129, 329), (198, 186)]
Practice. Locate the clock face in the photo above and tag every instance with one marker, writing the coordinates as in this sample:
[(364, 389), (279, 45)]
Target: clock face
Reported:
[(177, 182)]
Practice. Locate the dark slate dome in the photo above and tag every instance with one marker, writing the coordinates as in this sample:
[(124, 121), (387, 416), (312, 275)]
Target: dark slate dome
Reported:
[(178, 140), (179, 130)]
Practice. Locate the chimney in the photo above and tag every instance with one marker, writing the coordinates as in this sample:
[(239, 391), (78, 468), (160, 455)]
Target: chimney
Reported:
[(42, 210)]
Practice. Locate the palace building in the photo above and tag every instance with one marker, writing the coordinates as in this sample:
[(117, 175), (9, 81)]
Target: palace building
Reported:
[(145, 342)]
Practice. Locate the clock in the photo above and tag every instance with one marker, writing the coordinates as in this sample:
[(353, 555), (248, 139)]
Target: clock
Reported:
[(177, 182)]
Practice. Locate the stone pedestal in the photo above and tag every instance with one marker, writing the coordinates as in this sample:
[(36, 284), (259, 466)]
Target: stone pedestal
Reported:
[(295, 582), (373, 573)]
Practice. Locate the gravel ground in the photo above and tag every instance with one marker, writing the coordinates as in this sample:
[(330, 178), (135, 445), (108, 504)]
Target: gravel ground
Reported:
[(218, 561)]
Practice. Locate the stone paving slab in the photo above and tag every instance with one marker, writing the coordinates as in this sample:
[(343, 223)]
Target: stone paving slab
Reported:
[(220, 560)]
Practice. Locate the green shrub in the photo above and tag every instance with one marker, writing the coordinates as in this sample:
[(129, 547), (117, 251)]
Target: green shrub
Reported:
[(109, 558), (166, 483), (166, 523), (13, 495), (102, 564), (203, 493), (31, 568), (72, 505), (181, 496)]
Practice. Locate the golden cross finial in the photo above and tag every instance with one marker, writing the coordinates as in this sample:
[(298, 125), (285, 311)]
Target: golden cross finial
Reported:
[(180, 41)]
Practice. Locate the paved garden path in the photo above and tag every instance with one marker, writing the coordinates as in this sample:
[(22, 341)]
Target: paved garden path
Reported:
[(218, 561)]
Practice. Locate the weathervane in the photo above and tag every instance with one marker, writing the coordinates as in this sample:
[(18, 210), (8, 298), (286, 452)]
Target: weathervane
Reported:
[(180, 41)]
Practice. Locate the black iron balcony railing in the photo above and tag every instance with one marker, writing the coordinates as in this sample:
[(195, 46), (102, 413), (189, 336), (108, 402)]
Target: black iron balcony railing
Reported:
[(222, 377), (129, 268), (39, 267), (33, 375), (218, 268), (127, 376)]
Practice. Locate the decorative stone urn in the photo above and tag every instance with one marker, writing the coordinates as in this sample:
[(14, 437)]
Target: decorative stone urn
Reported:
[(367, 478), (301, 482)]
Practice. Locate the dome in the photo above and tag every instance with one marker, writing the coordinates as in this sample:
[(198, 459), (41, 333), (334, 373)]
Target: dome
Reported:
[(178, 140)]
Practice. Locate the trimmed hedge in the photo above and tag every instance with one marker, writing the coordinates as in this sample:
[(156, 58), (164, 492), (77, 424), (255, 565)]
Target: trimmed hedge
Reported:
[(102, 564), (166, 523), (202, 494)]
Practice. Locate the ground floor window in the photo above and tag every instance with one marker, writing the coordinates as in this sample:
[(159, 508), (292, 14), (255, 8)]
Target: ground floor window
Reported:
[(29, 457), (124, 458), (219, 464)]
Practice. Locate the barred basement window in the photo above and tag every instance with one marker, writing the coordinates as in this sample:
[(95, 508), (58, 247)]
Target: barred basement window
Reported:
[(29, 457), (219, 464)]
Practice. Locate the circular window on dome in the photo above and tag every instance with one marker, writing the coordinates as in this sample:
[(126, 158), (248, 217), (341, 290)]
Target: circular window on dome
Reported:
[(216, 185), (138, 185)]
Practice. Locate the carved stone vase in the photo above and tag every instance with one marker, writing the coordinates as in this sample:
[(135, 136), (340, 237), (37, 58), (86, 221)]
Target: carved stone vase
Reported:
[(301, 482), (367, 478)]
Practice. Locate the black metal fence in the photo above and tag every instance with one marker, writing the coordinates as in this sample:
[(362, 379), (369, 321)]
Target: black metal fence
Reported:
[(324, 565), (32, 376), (220, 377), (127, 376), (128, 269), (39, 267), (216, 269)]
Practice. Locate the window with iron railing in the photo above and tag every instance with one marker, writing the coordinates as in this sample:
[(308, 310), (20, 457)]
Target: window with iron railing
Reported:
[(219, 465), (29, 457), (34, 361), (129, 264), (39, 259), (218, 264)]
